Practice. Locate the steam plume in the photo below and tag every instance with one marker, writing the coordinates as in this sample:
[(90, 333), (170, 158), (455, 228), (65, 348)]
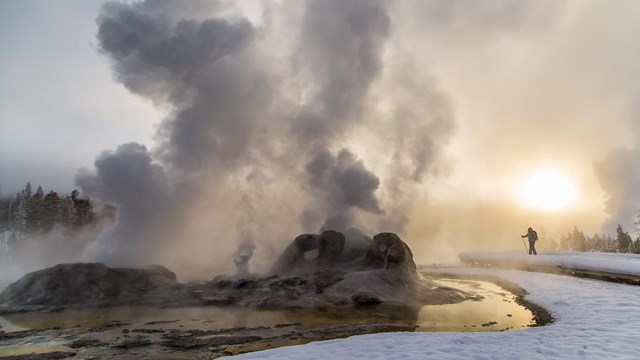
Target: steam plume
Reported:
[(253, 151), (127, 178), (619, 176)]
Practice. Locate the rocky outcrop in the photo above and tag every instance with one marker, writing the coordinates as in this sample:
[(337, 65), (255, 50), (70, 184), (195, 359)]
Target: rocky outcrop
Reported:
[(387, 251), (84, 283), (297, 256), (331, 244), (311, 272), (309, 253)]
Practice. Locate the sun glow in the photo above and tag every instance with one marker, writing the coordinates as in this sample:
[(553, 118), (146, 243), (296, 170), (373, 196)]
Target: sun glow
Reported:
[(549, 190)]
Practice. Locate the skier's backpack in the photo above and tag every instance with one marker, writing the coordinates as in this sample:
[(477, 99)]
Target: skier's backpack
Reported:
[(535, 235)]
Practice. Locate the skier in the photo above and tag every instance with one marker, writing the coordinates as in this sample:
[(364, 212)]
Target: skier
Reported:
[(533, 237)]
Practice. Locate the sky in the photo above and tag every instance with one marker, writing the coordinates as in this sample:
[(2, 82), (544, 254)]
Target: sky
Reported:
[(59, 104), (257, 121), (593, 319)]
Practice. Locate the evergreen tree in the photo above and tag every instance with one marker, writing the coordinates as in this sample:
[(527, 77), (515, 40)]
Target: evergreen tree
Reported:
[(35, 212), (610, 244), (5, 214), (597, 243), (5, 224), (574, 241), (623, 240), (51, 209), (30, 214), (27, 191), (564, 243), (19, 214), (84, 209), (68, 214), (635, 246), (579, 240)]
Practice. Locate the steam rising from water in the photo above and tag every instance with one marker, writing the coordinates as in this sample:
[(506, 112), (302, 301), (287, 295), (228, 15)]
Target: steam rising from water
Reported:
[(271, 130)]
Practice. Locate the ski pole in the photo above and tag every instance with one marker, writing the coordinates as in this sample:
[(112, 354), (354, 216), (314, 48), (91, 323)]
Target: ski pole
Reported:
[(525, 245)]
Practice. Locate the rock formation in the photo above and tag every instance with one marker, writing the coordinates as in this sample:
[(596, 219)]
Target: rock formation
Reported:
[(311, 272), (83, 283), (309, 253)]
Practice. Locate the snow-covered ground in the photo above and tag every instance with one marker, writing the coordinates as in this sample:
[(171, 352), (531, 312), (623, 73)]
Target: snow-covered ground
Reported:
[(594, 320), (605, 262)]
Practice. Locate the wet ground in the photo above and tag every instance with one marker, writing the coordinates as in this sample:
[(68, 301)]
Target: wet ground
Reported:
[(210, 332)]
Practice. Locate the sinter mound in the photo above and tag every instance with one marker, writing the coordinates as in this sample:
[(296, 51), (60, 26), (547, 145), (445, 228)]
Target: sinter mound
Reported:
[(313, 271)]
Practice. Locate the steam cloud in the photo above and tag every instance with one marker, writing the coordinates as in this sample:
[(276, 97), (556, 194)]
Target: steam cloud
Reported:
[(266, 130), (619, 176), (128, 178)]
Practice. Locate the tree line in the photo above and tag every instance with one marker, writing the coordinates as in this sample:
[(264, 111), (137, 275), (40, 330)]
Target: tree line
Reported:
[(576, 240), (31, 213)]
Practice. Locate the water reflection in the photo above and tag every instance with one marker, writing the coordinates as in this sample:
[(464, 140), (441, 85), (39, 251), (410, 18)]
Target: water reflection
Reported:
[(496, 311)]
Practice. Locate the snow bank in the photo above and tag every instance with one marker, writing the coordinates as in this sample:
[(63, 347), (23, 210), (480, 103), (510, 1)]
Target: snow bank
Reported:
[(594, 319), (628, 264)]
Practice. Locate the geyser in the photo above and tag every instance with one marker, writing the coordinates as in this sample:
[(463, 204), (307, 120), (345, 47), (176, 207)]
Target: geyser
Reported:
[(384, 273), (264, 130)]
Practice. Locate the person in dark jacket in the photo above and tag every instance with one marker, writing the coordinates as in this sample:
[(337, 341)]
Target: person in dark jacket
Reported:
[(533, 237)]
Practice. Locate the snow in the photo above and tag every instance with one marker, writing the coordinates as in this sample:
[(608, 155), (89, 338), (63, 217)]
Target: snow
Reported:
[(594, 320), (605, 262)]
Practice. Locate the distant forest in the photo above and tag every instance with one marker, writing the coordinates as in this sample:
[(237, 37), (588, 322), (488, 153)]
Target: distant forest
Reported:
[(576, 240), (31, 213)]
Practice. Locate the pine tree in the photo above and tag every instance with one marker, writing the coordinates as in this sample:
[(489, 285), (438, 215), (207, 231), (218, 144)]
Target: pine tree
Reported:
[(35, 212), (635, 246), (84, 209), (574, 241), (610, 244), (623, 240), (5, 214), (5, 224), (27, 191), (68, 214), (51, 208), (597, 243)]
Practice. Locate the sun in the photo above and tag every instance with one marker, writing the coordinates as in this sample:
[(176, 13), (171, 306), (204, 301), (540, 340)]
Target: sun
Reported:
[(549, 190)]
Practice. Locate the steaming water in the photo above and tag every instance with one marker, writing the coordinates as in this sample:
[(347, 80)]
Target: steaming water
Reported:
[(497, 311)]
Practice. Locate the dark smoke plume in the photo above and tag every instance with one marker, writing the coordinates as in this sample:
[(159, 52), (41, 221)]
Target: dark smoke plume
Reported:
[(262, 129)]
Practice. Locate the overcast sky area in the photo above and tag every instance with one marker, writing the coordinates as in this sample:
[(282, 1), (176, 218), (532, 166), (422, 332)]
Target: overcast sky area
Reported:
[(59, 105), (425, 119)]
